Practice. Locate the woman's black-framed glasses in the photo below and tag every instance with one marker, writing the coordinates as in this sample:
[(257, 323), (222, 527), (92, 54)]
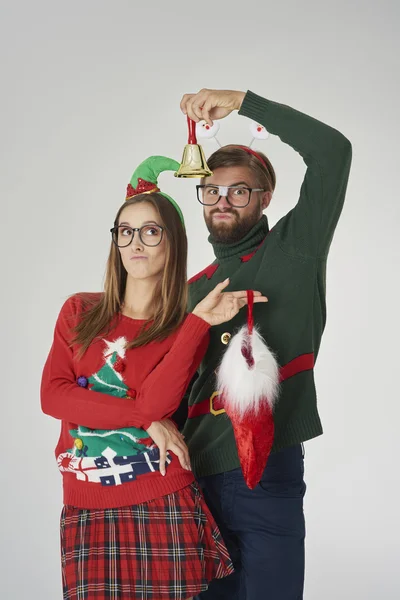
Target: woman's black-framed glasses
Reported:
[(149, 235), (237, 196)]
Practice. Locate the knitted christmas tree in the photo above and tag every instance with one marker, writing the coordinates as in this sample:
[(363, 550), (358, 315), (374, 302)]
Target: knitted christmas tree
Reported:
[(109, 380)]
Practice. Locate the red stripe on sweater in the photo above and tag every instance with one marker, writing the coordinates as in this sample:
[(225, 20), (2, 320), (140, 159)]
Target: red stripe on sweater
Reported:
[(208, 271), (304, 362), (248, 257)]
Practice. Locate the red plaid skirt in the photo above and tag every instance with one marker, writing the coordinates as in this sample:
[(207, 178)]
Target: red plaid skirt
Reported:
[(165, 549)]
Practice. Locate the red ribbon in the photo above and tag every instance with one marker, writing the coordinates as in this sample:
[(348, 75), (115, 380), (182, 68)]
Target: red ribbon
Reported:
[(192, 131), (246, 349), (250, 316)]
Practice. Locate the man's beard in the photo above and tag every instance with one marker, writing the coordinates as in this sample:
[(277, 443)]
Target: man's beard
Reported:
[(232, 231)]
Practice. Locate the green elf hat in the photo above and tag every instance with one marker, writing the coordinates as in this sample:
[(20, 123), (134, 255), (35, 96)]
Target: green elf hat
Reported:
[(145, 179)]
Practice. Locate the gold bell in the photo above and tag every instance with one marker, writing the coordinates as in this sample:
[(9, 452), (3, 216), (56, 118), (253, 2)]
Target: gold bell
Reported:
[(194, 162)]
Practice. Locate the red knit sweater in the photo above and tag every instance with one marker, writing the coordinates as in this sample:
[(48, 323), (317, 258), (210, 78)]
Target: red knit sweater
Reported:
[(105, 456)]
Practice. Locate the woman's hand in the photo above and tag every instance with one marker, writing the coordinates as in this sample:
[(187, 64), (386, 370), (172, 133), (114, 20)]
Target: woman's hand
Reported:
[(219, 307), (211, 104), (166, 436)]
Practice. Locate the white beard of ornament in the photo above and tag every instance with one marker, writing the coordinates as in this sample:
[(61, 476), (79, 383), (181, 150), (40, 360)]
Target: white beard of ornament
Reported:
[(249, 374)]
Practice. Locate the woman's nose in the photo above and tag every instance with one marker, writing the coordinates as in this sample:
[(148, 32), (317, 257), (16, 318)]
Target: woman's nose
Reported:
[(136, 243)]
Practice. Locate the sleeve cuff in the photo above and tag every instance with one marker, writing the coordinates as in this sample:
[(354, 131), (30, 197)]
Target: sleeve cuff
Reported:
[(254, 107), (195, 325)]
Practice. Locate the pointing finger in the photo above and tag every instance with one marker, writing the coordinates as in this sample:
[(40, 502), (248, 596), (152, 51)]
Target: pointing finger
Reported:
[(220, 286)]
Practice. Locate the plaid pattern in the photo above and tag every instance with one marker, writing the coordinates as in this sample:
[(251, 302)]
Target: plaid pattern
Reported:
[(164, 549)]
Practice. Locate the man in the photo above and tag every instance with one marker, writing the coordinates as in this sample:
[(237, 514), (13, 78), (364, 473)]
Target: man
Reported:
[(264, 527)]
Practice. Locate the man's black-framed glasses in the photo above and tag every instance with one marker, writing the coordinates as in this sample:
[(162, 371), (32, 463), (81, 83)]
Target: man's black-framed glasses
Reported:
[(149, 235), (237, 196)]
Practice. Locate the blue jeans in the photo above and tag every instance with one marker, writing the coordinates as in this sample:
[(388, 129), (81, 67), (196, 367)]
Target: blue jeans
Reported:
[(263, 529)]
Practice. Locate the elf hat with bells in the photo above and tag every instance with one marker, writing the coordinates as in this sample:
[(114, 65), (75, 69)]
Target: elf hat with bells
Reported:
[(248, 384), (145, 179)]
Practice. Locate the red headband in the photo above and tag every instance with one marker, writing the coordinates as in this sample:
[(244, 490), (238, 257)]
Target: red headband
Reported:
[(250, 151)]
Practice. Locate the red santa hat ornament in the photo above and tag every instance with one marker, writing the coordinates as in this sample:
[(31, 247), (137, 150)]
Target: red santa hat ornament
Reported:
[(248, 383)]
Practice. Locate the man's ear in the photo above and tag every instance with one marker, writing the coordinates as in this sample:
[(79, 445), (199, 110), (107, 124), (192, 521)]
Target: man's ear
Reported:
[(266, 199)]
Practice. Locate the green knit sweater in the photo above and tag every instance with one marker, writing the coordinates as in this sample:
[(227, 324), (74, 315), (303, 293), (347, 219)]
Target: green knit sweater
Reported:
[(288, 265)]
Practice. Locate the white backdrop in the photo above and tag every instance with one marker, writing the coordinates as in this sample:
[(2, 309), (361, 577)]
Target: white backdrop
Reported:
[(88, 90)]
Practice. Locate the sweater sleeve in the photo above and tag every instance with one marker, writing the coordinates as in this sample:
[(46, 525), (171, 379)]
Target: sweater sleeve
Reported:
[(309, 227), (163, 389), (63, 399)]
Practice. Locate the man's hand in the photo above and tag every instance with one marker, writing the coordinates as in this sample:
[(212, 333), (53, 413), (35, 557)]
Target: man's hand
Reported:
[(166, 436), (211, 104)]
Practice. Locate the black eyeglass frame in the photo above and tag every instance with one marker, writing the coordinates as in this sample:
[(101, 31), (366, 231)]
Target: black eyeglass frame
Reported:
[(236, 187), (114, 230)]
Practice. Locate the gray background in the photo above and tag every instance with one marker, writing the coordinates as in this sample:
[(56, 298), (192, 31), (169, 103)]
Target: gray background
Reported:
[(91, 88)]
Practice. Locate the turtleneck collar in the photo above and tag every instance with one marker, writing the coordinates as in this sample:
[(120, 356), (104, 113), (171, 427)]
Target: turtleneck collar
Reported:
[(246, 245)]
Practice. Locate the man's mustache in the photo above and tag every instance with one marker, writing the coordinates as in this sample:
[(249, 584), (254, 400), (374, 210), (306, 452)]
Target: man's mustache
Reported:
[(225, 212)]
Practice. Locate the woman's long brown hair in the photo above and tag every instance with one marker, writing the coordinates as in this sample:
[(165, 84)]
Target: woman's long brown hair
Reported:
[(170, 295)]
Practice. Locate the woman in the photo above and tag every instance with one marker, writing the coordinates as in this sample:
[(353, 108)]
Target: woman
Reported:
[(134, 524)]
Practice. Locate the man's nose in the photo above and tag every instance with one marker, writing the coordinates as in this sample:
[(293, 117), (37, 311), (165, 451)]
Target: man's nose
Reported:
[(223, 203)]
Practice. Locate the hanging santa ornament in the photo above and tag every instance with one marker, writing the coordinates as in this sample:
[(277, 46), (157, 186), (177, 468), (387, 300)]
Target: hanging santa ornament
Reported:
[(258, 132), (206, 131), (248, 383)]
